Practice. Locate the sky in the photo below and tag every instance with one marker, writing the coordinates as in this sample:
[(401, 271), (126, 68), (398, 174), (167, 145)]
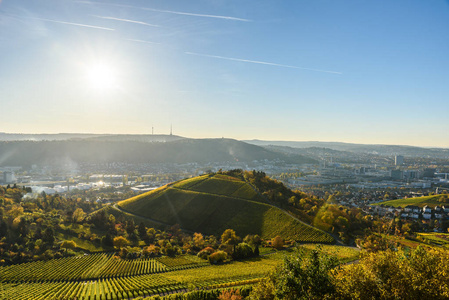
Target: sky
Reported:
[(372, 72)]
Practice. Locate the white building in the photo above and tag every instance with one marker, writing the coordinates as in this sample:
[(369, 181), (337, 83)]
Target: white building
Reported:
[(8, 177)]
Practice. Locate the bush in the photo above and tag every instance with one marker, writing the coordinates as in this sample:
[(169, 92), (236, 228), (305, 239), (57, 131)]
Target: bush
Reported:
[(243, 250), (204, 254), (217, 257)]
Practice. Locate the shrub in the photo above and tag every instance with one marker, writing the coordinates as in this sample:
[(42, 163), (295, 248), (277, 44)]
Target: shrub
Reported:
[(217, 257)]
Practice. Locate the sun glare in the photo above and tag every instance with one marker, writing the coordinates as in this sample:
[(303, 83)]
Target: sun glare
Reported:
[(102, 76)]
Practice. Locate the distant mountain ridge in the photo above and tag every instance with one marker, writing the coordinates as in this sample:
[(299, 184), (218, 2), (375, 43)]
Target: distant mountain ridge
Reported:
[(387, 150), (77, 136), (95, 150)]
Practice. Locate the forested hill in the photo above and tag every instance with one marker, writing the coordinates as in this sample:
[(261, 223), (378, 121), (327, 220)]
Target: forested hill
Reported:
[(387, 150), (26, 153)]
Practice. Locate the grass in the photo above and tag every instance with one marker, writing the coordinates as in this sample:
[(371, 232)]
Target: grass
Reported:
[(344, 254), (256, 267), (213, 204), (435, 238), (433, 200), (80, 243)]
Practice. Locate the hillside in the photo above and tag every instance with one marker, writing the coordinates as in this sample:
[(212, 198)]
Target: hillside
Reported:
[(27, 153), (432, 201), (387, 150), (215, 202)]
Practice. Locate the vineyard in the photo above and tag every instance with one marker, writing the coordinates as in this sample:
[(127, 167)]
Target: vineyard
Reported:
[(101, 276), (210, 204)]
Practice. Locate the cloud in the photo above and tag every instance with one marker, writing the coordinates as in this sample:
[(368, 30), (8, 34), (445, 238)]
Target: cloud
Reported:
[(126, 20), (262, 63), (169, 11), (70, 23)]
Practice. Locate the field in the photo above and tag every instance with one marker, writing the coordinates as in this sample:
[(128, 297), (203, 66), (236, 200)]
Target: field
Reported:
[(434, 238), (212, 204), (432, 201), (344, 254), (101, 276)]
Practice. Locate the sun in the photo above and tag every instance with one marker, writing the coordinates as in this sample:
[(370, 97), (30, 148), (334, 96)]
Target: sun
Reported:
[(101, 76)]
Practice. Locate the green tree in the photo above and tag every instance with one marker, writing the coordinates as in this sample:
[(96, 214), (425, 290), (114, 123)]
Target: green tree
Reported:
[(68, 245), (305, 276), (78, 215)]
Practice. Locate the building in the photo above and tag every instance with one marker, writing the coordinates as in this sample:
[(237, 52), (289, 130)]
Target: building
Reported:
[(399, 160), (8, 177), (397, 174)]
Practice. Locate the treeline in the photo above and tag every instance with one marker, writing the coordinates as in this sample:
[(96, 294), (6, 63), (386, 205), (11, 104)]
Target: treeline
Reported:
[(28, 227)]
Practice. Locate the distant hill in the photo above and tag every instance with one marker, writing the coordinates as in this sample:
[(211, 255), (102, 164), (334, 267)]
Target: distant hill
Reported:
[(89, 136), (215, 202), (26, 153), (148, 138), (44, 136), (388, 150), (431, 201)]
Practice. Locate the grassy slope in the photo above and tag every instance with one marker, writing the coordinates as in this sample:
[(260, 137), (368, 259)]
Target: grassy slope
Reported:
[(418, 201), (211, 204)]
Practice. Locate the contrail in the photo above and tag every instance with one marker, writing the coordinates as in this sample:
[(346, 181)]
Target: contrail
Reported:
[(170, 11), (197, 15), (126, 20), (142, 41), (261, 63), (70, 23)]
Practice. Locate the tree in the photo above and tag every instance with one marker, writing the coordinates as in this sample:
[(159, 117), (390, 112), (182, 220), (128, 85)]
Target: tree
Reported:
[(120, 242), (142, 230), (68, 245), (230, 238), (78, 215), (107, 240), (395, 275), (49, 236), (198, 240), (278, 242), (243, 250), (305, 276), (217, 257)]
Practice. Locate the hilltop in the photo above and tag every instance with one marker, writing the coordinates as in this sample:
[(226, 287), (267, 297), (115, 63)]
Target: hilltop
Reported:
[(214, 202)]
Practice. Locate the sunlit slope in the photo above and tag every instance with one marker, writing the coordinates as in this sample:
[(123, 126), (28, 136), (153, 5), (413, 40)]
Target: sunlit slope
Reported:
[(432, 201), (212, 203)]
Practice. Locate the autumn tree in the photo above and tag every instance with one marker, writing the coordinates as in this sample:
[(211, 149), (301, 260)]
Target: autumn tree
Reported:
[(198, 240), (120, 242), (230, 238), (278, 242)]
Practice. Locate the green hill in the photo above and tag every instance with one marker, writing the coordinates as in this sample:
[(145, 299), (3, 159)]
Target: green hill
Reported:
[(213, 203), (433, 200)]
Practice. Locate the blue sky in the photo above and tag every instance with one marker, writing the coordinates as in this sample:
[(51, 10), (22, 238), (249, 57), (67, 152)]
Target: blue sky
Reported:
[(351, 71)]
